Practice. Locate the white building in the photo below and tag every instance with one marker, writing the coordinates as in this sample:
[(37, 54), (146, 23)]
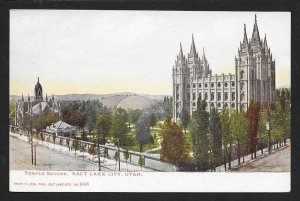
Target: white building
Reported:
[(61, 128), (254, 78)]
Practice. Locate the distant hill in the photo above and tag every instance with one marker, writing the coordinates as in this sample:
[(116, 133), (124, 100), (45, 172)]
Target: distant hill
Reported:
[(138, 102), (118, 96)]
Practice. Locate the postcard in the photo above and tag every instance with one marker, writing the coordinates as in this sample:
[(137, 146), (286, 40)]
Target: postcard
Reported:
[(149, 101)]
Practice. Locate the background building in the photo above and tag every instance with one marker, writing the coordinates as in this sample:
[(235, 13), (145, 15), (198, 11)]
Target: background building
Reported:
[(37, 106), (254, 78)]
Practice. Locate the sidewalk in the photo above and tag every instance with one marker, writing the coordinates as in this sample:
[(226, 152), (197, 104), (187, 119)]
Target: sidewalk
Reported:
[(110, 164), (234, 164)]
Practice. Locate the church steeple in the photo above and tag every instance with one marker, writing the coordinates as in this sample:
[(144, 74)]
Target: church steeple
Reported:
[(204, 57), (180, 52), (245, 40), (193, 48), (255, 33)]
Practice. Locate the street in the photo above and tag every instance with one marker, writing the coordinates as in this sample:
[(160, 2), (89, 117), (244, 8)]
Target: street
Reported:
[(50, 159), (279, 161)]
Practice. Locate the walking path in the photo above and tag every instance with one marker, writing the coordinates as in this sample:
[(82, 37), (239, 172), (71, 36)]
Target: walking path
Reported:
[(56, 157), (259, 156)]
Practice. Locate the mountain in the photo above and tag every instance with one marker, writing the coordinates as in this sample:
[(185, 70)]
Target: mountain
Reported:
[(93, 96)]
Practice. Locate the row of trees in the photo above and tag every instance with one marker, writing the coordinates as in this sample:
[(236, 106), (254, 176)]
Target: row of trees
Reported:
[(216, 134)]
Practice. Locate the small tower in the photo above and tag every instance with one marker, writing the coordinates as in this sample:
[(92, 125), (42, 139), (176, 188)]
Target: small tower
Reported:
[(180, 82), (38, 91)]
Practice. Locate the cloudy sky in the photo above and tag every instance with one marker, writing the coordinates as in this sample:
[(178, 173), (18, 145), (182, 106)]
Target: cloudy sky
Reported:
[(133, 51)]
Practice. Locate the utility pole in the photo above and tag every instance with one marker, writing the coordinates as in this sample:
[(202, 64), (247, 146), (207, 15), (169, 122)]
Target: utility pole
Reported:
[(269, 128), (99, 164), (31, 152), (34, 155), (119, 154)]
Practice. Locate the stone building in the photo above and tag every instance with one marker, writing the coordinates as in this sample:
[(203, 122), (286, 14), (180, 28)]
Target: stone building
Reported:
[(37, 106), (254, 78)]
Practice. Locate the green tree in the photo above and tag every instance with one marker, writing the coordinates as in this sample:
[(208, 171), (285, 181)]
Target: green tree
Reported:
[(253, 116), (153, 120), (185, 119), (141, 162), (238, 129), (216, 135), (174, 149), (133, 116), (142, 129), (126, 157), (12, 112), (199, 135), (103, 125), (76, 145), (226, 136), (50, 119), (119, 130), (39, 122)]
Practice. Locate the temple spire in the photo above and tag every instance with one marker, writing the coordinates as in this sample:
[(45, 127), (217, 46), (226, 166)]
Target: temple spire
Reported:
[(203, 56), (180, 52), (193, 48), (255, 33), (245, 40)]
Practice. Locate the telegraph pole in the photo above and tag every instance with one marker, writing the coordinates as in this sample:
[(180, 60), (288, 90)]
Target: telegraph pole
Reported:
[(268, 128), (99, 164), (31, 152), (119, 154), (34, 155)]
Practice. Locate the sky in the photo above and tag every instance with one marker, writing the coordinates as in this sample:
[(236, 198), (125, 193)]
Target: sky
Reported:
[(86, 51)]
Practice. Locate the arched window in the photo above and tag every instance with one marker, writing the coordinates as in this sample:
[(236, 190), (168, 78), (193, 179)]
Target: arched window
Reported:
[(242, 85), (242, 73), (226, 96), (232, 96), (205, 96), (242, 97), (212, 96), (219, 96)]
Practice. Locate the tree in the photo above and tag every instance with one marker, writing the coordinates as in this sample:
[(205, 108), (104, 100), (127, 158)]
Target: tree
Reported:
[(92, 149), (262, 130), (185, 119), (39, 122), (50, 119), (238, 129), (133, 115), (253, 113), (76, 145), (174, 149), (141, 162), (153, 120), (103, 124), (12, 112), (226, 136), (119, 130), (91, 114), (126, 157), (199, 131), (215, 132), (142, 127)]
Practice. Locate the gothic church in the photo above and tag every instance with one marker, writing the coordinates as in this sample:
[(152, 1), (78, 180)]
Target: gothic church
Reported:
[(37, 106), (254, 78)]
